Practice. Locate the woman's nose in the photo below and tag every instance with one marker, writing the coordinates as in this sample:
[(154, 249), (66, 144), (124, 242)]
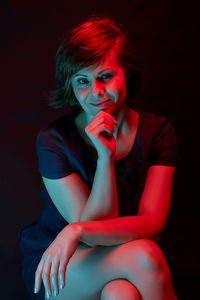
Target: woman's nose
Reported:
[(97, 89)]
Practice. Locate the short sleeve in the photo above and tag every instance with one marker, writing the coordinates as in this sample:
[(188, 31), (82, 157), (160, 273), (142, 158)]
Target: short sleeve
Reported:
[(164, 148), (52, 159)]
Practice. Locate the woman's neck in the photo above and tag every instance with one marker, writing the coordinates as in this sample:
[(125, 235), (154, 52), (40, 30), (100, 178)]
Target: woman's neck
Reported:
[(121, 116)]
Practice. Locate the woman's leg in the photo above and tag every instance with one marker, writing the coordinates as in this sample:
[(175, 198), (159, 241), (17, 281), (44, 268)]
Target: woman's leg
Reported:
[(141, 262), (120, 289)]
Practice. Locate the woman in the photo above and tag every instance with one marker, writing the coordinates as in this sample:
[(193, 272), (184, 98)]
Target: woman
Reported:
[(108, 172)]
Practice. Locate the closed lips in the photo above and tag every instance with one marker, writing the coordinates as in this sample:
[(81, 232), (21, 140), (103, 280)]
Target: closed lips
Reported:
[(99, 103)]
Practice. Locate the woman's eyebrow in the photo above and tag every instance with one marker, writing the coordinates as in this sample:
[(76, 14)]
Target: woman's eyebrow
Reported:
[(80, 75), (106, 70), (99, 73)]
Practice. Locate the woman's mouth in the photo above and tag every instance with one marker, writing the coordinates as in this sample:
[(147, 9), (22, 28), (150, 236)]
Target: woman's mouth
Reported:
[(101, 103)]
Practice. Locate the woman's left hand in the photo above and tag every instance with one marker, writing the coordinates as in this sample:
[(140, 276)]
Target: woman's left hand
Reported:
[(52, 266)]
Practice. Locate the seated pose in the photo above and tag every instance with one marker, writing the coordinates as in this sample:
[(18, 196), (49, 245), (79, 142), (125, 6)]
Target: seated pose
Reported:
[(108, 171)]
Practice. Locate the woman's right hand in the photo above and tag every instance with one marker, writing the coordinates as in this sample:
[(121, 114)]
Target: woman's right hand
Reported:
[(100, 131), (53, 264)]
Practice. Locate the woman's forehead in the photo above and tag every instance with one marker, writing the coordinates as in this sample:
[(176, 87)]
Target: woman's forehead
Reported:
[(108, 63)]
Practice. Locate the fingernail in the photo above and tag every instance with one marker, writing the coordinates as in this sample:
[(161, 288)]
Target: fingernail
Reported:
[(35, 290), (47, 295), (61, 286), (55, 293)]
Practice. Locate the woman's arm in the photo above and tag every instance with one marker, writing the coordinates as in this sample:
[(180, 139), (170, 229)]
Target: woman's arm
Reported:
[(153, 212), (103, 201), (71, 195), (116, 231), (76, 202)]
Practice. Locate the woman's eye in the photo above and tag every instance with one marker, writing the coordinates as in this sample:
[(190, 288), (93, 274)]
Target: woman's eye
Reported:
[(106, 76), (82, 81)]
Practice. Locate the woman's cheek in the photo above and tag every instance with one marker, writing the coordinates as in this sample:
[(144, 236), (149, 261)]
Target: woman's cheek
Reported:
[(120, 88), (81, 93)]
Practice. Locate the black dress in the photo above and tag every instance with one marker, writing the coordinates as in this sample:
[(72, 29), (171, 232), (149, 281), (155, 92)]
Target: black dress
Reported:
[(62, 151)]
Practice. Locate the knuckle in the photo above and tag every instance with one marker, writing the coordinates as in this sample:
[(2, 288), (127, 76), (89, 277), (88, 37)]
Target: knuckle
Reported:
[(57, 254), (45, 275), (53, 274), (45, 255), (61, 269)]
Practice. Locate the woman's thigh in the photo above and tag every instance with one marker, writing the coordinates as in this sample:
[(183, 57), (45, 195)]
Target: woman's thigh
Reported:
[(90, 269), (88, 272)]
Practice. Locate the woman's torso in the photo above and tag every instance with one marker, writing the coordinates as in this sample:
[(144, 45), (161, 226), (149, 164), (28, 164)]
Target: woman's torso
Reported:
[(151, 141)]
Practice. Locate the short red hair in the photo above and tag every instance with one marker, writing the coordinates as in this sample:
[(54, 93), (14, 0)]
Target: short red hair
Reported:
[(87, 44)]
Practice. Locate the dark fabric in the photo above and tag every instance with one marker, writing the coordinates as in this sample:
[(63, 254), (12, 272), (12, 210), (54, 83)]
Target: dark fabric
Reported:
[(62, 151)]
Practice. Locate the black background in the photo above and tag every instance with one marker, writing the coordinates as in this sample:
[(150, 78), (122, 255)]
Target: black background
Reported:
[(166, 35)]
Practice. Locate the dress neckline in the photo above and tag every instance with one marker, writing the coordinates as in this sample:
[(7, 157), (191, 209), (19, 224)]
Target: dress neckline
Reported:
[(91, 151)]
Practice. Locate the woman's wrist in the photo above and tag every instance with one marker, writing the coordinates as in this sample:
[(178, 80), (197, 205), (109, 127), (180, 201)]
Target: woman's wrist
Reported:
[(76, 229), (105, 160)]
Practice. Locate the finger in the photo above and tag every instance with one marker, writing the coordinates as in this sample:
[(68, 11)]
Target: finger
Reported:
[(100, 129), (62, 271), (54, 276), (46, 277), (101, 119), (107, 122), (106, 114), (38, 276), (98, 122)]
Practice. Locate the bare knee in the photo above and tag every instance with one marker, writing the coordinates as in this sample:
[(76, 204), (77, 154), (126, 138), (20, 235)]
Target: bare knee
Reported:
[(149, 259), (120, 289)]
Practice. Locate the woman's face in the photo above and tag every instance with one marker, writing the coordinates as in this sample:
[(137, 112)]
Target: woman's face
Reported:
[(100, 87)]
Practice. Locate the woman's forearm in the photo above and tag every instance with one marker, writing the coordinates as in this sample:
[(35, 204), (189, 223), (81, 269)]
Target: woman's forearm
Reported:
[(103, 201), (118, 230)]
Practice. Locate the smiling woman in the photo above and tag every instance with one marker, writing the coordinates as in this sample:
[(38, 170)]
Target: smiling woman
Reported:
[(88, 44), (108, 170), (101, 86)]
